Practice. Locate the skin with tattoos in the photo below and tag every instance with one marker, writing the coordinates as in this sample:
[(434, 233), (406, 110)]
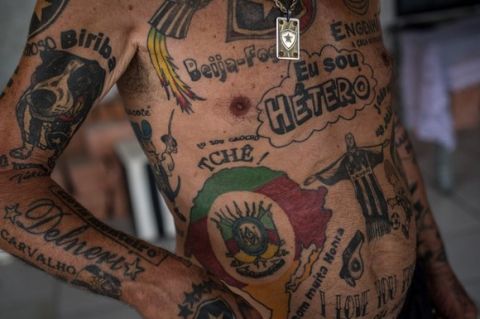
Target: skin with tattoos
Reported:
[(293, 186)]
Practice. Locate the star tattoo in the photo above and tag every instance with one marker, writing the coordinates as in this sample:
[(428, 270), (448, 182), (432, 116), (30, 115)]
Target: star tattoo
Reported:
[(198, 290), (190, 299), (185, 312), (133, 269), (11, 213), (42, 4)]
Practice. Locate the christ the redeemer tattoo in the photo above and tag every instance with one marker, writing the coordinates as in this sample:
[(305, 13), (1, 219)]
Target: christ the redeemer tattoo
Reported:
[(357, 165)]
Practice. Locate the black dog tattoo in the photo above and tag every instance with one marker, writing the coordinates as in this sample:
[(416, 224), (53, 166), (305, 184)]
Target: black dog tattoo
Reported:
[(62, 91)]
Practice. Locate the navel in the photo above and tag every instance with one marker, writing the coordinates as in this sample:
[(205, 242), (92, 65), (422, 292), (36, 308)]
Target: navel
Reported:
[(240, 106)]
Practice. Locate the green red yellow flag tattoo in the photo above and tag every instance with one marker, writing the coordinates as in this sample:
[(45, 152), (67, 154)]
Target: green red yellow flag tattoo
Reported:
[(304, 208)]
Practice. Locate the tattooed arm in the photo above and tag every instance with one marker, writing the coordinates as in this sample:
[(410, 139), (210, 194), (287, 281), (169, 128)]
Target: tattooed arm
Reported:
[(45, 227), (70, 61), (448, 295)]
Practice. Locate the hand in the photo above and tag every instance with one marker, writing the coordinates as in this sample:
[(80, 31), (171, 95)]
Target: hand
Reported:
[(207, 298), (181, 290), (211, 299), (450, 299)]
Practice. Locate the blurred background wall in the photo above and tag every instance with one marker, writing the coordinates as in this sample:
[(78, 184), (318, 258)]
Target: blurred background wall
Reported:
[(13, 17), (98, 175)]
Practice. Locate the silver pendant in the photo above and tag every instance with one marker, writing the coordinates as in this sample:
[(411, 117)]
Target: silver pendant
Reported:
[(288, 39)]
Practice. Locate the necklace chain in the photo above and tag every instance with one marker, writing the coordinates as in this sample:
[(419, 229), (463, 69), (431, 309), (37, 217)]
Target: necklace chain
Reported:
[(284, 8)]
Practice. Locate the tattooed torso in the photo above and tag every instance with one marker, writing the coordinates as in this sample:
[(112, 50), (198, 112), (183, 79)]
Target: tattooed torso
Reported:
[(282, 176)]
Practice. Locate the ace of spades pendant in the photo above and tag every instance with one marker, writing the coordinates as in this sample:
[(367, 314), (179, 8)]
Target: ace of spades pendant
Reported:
[(288, 38)]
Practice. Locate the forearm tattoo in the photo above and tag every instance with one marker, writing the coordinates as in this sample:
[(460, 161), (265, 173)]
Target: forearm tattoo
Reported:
[(62, 224)]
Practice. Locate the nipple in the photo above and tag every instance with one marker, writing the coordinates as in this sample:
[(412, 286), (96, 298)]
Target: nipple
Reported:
[(240, 106)]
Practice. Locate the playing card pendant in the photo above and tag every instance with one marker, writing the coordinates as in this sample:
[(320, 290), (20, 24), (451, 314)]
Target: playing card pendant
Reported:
[(288, 39)]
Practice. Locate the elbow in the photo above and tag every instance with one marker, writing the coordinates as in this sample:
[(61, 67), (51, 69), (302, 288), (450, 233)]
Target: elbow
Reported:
[(20, 166), (17, 176)]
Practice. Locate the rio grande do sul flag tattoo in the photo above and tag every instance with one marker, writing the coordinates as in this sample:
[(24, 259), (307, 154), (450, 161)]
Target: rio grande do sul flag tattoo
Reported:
[(304, 209)]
